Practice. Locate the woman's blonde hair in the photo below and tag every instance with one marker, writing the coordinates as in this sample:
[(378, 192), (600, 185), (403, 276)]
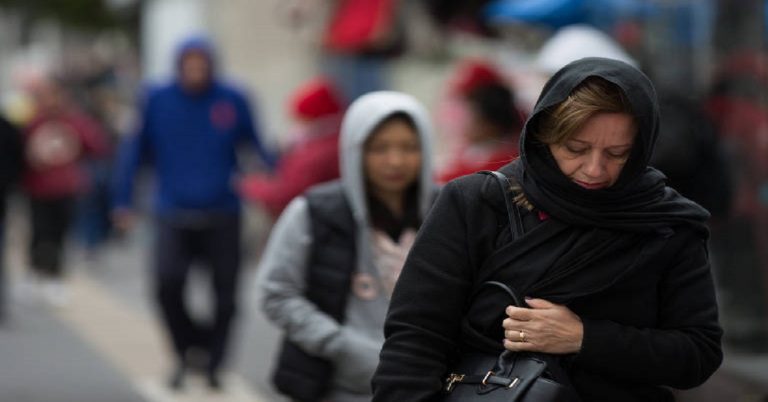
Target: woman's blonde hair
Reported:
[(592, 96)]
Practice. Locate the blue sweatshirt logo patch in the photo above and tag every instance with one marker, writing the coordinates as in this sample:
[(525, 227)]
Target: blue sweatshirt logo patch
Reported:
[(223, 115)]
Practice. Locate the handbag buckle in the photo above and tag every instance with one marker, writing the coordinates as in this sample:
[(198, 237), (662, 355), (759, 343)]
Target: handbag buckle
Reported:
[(452, 380), (514, 382), (487, 376)]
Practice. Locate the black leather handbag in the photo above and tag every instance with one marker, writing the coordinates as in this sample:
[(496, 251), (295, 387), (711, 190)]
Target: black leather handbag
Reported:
[(511, 376), (521, 376)]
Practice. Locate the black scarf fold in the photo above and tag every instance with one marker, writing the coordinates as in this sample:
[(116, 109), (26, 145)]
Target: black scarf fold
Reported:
[(557, 262), (647, 205), (640, 201)]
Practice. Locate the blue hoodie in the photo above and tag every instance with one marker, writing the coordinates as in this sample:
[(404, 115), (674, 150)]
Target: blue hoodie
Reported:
[(191, 138)]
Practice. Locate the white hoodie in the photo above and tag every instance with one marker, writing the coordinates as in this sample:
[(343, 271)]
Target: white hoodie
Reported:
[(353, 346)]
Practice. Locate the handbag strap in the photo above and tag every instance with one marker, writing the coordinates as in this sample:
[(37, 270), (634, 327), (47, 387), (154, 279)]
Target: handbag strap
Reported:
[(506, 289), (513, 212), (516, 229)]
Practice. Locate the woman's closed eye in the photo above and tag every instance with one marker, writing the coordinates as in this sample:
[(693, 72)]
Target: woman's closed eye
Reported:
[(576, 149), (619, 154)]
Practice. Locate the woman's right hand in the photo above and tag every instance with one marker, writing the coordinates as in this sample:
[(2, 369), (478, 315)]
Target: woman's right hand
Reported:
[(544, 327)]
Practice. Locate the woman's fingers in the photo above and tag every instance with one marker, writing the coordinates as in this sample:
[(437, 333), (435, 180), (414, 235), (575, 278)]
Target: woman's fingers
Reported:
[(515, 335), (520, 314), (540, 304), (520, 346), (545, 327)]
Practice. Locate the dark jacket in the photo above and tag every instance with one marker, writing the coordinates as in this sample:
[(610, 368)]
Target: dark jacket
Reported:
[(631, 261), (299, 374), (655, 326)]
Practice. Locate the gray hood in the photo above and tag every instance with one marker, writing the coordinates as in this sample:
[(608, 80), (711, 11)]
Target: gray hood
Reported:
[(362, 117)]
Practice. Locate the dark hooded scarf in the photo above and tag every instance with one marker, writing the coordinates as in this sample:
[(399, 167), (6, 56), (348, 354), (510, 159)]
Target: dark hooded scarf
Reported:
[(640, 201)]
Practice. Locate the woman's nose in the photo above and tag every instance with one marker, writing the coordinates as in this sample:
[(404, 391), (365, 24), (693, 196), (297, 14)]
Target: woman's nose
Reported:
[(395, 158), (595, 165)]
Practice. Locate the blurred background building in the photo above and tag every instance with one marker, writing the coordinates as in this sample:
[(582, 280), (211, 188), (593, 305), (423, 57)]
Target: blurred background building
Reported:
[(708, 58)]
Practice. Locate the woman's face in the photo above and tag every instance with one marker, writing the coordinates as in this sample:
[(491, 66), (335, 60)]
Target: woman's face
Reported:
[(594, 156), (392, 157)]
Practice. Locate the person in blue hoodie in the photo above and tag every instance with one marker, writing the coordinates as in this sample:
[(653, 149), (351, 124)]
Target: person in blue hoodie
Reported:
[(190, 131)]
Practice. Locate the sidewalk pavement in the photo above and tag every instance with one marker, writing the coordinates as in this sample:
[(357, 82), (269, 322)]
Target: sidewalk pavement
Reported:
[(105, 344)]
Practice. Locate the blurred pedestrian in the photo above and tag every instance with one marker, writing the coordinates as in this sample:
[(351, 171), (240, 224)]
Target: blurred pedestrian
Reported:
[(738, 107), (466, 16), (360, 39), (190, 129), (490, 129), (312, 155), (100, 96), (10, 168), (703, 172), (58, 140), (336, 252)]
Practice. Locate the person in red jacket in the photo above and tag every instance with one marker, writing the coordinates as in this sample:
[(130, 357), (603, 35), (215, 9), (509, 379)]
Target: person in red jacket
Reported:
[(56, 141), (312, 157), (490, 126)]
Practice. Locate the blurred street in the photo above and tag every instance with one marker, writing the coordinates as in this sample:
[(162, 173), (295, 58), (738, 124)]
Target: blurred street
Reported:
[(105, 341), (105, 345)]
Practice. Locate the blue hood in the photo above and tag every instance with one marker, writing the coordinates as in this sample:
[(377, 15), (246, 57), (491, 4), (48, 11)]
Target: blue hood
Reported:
[(197, 43)]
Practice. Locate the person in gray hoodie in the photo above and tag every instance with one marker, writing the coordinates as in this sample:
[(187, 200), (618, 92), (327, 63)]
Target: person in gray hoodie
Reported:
[(336, 251)]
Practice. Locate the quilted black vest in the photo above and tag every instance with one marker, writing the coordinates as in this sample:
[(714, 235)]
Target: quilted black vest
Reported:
[(301, 376)]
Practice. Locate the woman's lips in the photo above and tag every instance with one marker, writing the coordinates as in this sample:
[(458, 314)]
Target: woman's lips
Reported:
[(590, 186)]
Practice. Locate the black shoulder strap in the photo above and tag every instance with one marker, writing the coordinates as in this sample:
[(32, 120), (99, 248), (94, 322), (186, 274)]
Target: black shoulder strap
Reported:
[(513, 213), (515, 226)]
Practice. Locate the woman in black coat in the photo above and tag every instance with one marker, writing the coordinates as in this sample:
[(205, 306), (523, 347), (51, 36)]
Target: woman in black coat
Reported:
[(613, 263)]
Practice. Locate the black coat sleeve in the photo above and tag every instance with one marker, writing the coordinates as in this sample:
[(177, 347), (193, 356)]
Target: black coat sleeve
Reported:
[(423, 323), (683, 349)]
